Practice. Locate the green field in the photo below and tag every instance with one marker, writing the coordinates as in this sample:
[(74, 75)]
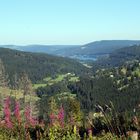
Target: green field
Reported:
[(137, 72), (52, 80)]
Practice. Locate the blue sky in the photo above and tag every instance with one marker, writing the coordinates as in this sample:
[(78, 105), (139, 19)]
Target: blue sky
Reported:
[(68, 21)]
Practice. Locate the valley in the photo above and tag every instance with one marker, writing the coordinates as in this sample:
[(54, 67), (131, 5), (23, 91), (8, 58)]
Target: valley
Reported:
[(98, 87), (69, 70)]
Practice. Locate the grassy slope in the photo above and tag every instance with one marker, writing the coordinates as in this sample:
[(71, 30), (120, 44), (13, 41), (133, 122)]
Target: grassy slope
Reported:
[(50, 81), (18, 95)]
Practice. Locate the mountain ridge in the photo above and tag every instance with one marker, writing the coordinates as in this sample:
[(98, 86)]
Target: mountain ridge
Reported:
[(96, 47)]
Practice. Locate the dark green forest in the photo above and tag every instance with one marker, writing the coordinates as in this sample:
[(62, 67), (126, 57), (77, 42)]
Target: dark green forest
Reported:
[(38, 65), (118, 57)]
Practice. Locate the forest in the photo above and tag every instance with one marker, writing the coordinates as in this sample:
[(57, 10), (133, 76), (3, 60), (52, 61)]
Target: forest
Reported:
[(38, 65), (44, 97)]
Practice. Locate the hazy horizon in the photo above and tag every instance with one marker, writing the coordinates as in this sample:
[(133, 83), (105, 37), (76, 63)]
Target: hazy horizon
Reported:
[(68, 44)]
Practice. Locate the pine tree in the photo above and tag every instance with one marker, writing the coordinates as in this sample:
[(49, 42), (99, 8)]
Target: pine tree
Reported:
[(16, 82), (3, 77), (26, 85), (3, 84)]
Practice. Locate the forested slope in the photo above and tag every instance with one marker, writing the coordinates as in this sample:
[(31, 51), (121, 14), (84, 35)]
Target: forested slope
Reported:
[(38, 65)]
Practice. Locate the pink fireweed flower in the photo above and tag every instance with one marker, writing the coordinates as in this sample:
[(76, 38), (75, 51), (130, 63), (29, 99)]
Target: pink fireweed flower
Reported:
[(27, 113), (90, 132), (7, 113), (17, 111), (33, 121), (61, 116), (29, 119)]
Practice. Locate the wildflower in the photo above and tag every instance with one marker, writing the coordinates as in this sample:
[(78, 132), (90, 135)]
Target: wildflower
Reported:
[(27, 113), (17, 111), (90, 133), (33, 121), (7, 113), (29, 119), (61, 116)]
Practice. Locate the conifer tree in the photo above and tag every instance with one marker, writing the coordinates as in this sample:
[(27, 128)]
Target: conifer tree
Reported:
[(3, 83), (3, 77), (26, 85)]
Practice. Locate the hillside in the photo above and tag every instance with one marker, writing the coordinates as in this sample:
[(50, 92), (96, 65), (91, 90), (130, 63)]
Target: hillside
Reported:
[(98, 47), (115, 84), (119, 57), (65, 102), (49, 49), (107, 46), (93, 48), (38, 65)]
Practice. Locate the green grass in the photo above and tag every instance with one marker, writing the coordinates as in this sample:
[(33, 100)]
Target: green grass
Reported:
[(59, 78), (35, 86), (137, 72), (74, 79), (47, 79), (124, 70), (65, 95), (18, 94), (50, 81)]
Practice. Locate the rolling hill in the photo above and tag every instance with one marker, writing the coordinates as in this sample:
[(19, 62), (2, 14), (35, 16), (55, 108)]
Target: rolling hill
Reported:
[(49, 49), (99, 47), (93, 48), (120, 56), (38, 65)]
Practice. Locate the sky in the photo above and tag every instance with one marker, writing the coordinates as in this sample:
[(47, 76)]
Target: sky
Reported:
[(61, 22)]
